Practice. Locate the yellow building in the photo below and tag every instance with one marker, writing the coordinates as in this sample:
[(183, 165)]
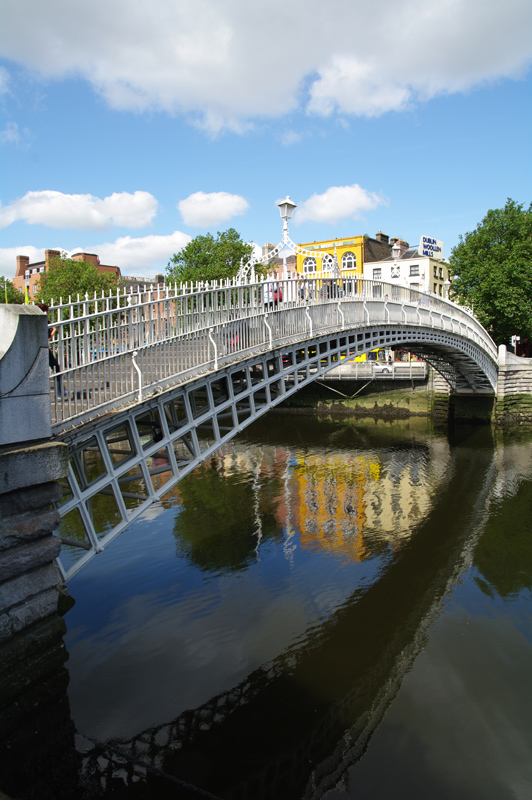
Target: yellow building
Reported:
[(351, 253)]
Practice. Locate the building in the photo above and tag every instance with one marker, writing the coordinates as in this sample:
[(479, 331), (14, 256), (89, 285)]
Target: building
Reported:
[(28, 275), (420, 268), (351, 254)]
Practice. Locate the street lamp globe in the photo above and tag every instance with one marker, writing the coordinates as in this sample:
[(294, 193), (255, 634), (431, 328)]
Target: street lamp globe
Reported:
[(286, 208)]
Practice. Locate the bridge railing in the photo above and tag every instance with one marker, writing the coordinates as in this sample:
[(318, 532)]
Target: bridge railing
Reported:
[(113, 349)]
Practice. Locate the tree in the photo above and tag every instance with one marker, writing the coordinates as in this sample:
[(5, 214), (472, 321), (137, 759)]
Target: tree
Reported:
[(66, 277), (8, 293), (207, 259), (492, 268)]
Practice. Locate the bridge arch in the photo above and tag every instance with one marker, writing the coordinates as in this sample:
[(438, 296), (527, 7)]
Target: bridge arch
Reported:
[(233, 367), (121, 464)]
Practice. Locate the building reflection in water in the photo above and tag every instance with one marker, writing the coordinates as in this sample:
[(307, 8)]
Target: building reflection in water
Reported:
[(287, 718), (351, 504)]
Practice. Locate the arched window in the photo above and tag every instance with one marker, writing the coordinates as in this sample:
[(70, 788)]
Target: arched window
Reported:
[(309, 265), (349, 261), (327, 262)]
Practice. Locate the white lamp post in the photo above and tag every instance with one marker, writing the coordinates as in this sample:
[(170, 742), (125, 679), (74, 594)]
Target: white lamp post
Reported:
[(446, 287), (286, 209), (246, 272)]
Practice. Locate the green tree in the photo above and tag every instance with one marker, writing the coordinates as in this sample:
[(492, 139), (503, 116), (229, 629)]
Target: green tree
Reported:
[(492, 268), (8, 293), (207, 259), (216, 527), (66, 277)]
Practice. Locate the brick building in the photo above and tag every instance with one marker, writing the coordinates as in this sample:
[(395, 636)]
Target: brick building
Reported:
[(29, 274)]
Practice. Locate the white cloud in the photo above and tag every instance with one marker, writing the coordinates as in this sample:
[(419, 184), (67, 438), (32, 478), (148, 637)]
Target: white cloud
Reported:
[(203, 210), (8, 257), (143, 256), (290, 137), (338, 202), (81, 211), (10, 134), (4, 80), (204, 59)]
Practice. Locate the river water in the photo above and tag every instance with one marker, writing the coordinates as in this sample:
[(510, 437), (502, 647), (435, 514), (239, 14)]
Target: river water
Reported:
[(325, 609)]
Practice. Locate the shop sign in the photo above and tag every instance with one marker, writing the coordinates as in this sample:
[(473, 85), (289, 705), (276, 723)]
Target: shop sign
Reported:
[(430, 247)]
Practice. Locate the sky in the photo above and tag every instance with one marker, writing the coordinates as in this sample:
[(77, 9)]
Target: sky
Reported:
[(126, 129)]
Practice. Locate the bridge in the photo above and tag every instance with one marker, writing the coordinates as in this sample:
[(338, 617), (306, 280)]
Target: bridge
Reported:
[(154, 383)]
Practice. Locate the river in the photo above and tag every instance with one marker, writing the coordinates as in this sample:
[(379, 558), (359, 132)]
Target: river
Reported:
[(325, 609)]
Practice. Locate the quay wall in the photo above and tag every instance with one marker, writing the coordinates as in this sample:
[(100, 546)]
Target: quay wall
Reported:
[(514, 389), (430, 397)]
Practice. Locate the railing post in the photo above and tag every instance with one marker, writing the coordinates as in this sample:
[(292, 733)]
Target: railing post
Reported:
[(341, 314), (269, 330), (215, 348), (139, 373), (309, 319)]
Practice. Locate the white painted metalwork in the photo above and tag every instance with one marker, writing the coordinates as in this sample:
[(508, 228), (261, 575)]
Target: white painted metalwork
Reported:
[(153, 384), (181, 332)]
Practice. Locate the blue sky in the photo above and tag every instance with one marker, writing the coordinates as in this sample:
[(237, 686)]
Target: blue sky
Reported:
[(126, 130)]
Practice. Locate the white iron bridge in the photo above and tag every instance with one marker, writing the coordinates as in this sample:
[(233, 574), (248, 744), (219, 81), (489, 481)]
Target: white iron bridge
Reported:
[(154, 383)]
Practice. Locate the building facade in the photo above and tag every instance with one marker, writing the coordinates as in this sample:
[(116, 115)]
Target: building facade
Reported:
[(28, 275), (350, 253), (413, 267)]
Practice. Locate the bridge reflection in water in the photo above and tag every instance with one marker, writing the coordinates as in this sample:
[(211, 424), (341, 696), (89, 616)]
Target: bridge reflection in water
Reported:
[(292, 726)]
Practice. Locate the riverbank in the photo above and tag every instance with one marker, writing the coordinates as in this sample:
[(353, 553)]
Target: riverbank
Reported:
[(392, 400), (383, 399)]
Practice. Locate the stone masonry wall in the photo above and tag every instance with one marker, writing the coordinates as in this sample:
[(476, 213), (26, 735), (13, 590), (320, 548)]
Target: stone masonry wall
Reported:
[(514, 390), (28, 575)]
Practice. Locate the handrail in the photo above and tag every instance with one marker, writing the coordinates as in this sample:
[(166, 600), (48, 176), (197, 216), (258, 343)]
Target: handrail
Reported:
[(173, 330)]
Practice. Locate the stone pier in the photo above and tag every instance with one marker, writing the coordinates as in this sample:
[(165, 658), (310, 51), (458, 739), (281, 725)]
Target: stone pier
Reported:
[(35, 725), (30, 465)]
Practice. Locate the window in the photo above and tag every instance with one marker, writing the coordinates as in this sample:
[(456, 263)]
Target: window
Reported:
[(440, 287), (441, 273), (377, 274), (377, 292), (349, 261), (327, 262), (414, 269), (396, 292), (396, 271), (435, 288), (435, 271), (309, 265)]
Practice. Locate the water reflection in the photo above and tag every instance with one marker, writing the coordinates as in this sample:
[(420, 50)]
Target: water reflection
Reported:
[(248, 635)]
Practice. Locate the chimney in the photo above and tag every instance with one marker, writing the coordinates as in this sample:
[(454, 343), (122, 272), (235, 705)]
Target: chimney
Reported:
[(22, 264), (381, 237), (399, 246), (49, 254)]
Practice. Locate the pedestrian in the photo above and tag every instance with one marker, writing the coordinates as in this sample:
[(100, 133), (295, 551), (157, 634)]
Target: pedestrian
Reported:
[(269, 291), (53, 363)]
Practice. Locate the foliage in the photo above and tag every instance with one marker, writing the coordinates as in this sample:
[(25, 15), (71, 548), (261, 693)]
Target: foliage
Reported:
[(503, 554), (7, 290), (492, 268), (216, 527), (66, 277), (207, 259)]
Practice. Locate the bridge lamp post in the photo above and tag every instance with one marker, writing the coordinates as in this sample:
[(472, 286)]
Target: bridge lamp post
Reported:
[(286, 209), (446, 287)]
